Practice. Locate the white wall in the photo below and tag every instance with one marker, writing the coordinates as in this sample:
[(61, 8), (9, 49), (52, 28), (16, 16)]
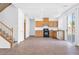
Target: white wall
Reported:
[(9, 16), (27, 27), (20, 25), (4, 43)]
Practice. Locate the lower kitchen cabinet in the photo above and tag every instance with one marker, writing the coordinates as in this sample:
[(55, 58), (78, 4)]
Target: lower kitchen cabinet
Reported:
[(54, 34), (39, 33)]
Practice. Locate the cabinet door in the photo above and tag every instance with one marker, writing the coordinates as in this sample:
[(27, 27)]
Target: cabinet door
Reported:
[(39, 33), (54, 34), (46, 20), (39, 23), (53, 23)]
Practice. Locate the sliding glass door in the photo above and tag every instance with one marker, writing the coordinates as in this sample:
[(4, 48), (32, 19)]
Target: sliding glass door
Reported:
[(71, 28)]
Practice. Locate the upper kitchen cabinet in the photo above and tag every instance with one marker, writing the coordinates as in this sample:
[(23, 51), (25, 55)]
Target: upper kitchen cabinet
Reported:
[(53, 23), (39, 23)]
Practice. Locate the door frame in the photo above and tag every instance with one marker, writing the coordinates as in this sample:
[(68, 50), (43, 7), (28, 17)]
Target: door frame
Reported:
[(24, 28)]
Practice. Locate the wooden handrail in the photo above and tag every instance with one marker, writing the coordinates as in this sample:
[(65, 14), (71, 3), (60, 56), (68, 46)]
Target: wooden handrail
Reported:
[(11, 29), (6, 26)]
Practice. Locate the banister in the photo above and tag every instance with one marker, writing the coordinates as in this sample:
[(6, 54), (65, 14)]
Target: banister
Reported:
[(11, 29)]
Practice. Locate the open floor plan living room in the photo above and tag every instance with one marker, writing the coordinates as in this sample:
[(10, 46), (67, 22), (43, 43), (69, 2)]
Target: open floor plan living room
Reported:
[(39, 28)]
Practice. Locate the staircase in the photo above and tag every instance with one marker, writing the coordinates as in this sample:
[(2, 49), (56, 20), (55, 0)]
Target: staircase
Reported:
[(6, 33)]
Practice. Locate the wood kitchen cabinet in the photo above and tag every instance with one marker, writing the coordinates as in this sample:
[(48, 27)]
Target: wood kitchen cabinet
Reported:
[(53, 23), (58, 34), (46, 20), (54, 34), (50, 24), (39, 33), (39, 23)]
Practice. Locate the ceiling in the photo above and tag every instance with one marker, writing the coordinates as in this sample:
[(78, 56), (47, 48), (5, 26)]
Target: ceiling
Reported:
[(3, 6), (41, 10)]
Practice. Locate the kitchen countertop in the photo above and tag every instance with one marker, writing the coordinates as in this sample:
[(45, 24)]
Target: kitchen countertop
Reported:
[(50, 28)]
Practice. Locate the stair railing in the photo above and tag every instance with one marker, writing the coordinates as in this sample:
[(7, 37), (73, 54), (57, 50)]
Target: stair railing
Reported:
[(7, 31)]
